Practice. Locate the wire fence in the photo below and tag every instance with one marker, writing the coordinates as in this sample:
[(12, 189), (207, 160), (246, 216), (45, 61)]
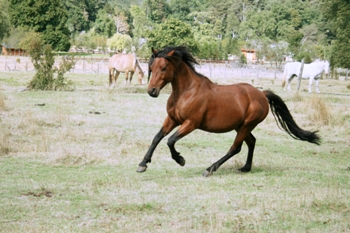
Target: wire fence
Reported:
[(209, 68)]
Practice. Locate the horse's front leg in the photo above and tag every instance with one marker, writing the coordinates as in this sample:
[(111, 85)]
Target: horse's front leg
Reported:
[(126, 77), (168, 126), (116, 77), (131, 75), (186, 128), (310, 84), (317, 89), (288, 82)]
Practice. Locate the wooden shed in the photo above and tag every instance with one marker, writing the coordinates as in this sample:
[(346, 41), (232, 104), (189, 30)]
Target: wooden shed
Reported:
[(249, 54), (12, 51)]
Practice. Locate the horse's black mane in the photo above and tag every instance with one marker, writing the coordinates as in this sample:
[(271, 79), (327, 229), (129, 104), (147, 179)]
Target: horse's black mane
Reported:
[(181, 53)]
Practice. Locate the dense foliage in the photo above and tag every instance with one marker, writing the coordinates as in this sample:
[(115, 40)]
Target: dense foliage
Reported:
[(4, 19), (338, 11), (212, 28), (46, 17)]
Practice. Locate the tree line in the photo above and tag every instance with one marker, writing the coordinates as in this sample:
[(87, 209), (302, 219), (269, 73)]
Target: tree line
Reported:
[(212, 29)]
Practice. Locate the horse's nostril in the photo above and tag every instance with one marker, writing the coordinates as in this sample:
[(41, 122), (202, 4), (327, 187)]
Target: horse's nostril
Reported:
[(154, 91)]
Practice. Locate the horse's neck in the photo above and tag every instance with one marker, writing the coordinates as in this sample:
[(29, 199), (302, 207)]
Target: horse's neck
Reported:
[(185, 79)]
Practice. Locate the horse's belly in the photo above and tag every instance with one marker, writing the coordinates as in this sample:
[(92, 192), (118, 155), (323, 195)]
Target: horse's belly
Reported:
[(222, 122), (218, 128)]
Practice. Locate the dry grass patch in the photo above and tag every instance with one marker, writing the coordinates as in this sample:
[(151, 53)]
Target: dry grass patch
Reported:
[(2, 101), (65, 169), (319, 111)]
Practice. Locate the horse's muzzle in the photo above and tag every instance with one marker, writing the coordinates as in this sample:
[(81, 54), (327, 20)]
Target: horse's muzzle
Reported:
[(153, 92)]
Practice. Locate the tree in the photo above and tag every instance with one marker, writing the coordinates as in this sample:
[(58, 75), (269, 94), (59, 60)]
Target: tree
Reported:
[(121, 22), (171, 32), (78, 17), (4, 19), (120, 42), (91, 40), (157, 10), (104, 24), (180, 9), (92, 7), (15, 36), (338, 12), (46, 17), (259, 25), (140, 22)]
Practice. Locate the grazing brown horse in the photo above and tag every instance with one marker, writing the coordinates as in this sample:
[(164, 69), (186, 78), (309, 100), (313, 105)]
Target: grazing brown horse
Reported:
[(124, 63), (198, 103)]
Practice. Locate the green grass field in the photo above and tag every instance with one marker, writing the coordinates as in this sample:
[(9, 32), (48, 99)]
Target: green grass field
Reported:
[(68, 163)]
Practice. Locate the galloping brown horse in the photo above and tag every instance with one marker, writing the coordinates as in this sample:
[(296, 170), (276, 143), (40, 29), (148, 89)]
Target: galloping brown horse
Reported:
[(124, 63), (198, 103)]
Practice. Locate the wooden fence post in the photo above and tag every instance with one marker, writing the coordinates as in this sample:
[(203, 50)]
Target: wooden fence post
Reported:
[(300, 73)]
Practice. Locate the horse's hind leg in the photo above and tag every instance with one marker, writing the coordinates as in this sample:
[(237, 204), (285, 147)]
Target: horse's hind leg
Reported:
[(111, 72), (250, 140), (288, 82), (243, 134)]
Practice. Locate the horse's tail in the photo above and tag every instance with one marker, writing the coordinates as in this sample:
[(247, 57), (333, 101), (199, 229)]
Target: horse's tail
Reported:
[(140, 71), (286, 122), (138, 65), (284, 82)]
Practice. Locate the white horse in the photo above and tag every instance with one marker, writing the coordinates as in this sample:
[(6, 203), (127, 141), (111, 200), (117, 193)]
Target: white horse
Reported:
[(311, 71)]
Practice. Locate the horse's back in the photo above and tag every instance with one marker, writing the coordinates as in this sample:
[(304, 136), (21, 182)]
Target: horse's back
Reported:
[(228, 106), (291, 68), (123, 62), (313, 69)]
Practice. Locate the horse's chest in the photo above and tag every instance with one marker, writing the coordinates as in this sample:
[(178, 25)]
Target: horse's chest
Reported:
[(182, 110)]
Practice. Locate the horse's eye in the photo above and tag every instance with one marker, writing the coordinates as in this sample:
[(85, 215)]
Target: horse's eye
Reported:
[(163, 69)]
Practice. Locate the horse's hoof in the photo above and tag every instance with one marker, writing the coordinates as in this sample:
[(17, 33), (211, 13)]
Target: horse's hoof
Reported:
[(141, 169), (244, 169), (206, 173), (181, 161)]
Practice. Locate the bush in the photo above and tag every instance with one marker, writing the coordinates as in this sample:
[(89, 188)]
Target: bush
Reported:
[(43, 78), (43, 61), (120, 42), (243, 59)]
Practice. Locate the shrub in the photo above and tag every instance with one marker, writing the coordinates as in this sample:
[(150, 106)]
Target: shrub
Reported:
[(43, 61)]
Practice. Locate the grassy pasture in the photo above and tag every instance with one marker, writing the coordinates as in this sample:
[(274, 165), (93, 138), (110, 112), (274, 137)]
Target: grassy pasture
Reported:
[(68, 164)]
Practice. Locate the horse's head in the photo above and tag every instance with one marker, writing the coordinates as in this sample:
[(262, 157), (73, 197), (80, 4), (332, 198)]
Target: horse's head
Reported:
[(326, 67), (162, 65)]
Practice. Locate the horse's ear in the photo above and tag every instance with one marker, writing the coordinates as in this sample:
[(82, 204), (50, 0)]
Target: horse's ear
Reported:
[(154, 51), (170, 53)]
